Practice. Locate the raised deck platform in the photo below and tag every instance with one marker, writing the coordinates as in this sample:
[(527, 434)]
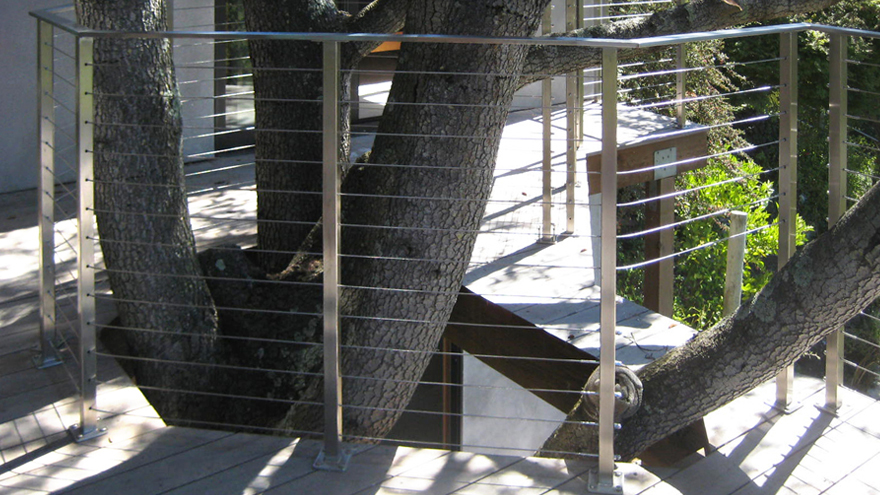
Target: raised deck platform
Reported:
[(758, 450)]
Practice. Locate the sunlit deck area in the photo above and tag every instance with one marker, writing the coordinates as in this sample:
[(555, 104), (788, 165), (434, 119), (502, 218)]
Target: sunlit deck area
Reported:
[(758, 450)]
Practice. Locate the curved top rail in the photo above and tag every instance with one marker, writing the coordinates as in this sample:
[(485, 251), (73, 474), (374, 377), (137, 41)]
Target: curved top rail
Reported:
[(52, 16), (677, 39), (848, 31)]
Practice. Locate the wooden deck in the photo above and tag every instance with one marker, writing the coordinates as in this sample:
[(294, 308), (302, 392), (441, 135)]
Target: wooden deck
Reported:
[(757, 449)]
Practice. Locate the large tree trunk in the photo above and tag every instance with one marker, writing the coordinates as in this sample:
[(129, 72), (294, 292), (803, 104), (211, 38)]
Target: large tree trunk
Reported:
[(288, 87), (413, 217), (822, 287), (288, 84), (140, 201)]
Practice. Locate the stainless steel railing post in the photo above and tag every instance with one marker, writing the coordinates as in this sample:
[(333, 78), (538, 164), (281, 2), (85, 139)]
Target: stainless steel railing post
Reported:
[(85, 132), (680, 81), (333, 457), (607, 479), (547, 234), (837, 157), (788, 147), (46, 195), (574, 116)]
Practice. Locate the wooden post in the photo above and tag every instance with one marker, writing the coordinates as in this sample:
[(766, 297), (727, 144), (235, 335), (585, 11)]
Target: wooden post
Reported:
[(659, 276), (736, 254)]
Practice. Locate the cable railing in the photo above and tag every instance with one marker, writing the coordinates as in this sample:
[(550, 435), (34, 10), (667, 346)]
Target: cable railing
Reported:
[(852, 171), (414, 303)]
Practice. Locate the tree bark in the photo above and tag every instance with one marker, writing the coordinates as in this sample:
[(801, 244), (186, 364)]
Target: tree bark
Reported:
[(421, 219), (288, 87), (164, 305), (822, 287)]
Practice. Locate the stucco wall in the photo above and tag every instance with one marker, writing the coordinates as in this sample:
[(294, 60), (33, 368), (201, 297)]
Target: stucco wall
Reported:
[(18, 93)]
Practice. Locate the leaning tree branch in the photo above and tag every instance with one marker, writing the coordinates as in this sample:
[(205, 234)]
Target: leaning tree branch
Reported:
[(696, 16), (381, 17), (822, 287)]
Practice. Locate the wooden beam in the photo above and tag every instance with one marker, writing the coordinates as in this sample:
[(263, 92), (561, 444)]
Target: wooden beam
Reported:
[(641, 156), (659, 276), (505, 341), (494, 335)]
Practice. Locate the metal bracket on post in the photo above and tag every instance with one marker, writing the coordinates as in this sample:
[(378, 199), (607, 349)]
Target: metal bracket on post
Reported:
[(80, 434), (85, 132), (338, 463), (788, 147), (595, 484), (48, 356), (837, 157), (606, 475), (333, 457)]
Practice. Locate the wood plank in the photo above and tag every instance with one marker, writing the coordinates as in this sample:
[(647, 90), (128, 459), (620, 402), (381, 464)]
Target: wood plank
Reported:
[(185, 466), (86, 464), (255, 476), (15, 362), (640, 157), (483, 328)]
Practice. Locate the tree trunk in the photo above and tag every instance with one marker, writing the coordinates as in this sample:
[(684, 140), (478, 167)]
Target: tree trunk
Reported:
[(822, 287), (288, 87), (422, 219), (164, 306)]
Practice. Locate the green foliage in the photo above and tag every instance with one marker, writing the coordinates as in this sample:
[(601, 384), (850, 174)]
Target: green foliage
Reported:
[(813, 102), (863, 134), (731, 181), (700, 278)]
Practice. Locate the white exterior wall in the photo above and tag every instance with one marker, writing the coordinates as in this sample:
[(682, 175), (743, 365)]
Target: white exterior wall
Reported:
[(194, 58), (18, 88), (18, 93), (489, 395)]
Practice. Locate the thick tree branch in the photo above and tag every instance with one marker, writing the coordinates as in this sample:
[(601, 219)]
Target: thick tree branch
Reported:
[(381, 17), (821, 288), (696, 16)]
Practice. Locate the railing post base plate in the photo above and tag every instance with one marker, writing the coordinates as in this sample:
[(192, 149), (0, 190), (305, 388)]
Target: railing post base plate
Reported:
[(786, 408), (595, 485), (42, 362), (79, 436), (338, 463), (833, 410)]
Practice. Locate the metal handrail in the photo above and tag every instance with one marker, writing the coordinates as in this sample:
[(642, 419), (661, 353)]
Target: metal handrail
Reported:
[(51, 16)]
